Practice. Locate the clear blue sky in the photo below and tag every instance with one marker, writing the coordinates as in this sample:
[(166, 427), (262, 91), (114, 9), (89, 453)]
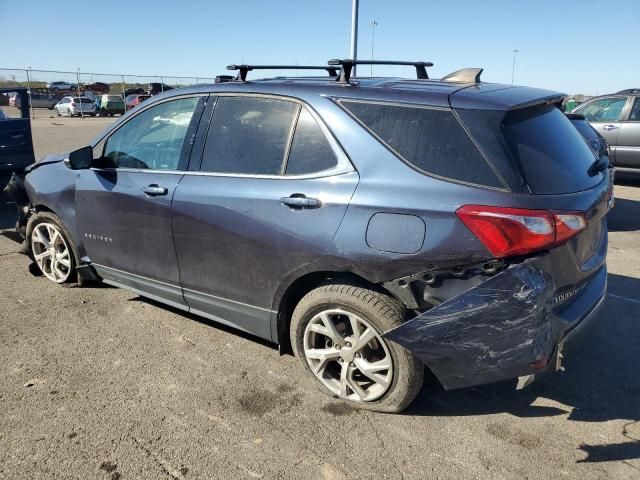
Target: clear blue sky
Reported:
[(576, 46)]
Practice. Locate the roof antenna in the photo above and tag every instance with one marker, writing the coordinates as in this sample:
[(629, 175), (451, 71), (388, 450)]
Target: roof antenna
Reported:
[(465, 75)]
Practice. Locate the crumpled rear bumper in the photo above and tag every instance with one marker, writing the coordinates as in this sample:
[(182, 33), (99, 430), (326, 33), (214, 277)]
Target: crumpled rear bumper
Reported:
[(497, 329)]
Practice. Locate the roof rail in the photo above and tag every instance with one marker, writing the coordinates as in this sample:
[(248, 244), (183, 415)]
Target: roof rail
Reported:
[(348, 64), (630, 90), (243, 69), (465, 75)]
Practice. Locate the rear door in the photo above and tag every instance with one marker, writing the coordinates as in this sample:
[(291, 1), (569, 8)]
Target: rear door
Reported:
[(265, 202), (605, 114), (123, 203), (628, 148)]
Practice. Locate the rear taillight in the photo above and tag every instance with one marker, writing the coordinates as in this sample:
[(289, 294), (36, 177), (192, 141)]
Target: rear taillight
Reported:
[(516, 231), (73, 104)]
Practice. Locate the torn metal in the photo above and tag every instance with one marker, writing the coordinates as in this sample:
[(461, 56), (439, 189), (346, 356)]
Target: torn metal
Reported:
[(491, 332)]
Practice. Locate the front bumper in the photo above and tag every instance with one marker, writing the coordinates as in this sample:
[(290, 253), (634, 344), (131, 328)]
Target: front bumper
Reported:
[(510, 326)]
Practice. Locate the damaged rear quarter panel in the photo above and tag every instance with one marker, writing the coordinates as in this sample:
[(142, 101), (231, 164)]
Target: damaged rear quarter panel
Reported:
[(491, 332)]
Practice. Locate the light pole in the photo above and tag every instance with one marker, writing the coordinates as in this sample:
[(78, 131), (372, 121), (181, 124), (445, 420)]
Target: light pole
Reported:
[(513, 68), (373, 24), (354, 33)]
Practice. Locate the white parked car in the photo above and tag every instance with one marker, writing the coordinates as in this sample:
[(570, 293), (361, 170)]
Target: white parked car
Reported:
[(70, 106)]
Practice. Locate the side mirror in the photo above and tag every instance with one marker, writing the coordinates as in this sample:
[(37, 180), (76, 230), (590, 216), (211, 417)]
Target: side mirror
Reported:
[(81, 159)]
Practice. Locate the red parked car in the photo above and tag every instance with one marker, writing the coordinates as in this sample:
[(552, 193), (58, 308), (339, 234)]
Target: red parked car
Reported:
[(131, 101)]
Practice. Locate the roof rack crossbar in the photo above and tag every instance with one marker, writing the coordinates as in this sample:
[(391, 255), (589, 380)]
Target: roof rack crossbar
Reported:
[(348, 64), (243, 69)]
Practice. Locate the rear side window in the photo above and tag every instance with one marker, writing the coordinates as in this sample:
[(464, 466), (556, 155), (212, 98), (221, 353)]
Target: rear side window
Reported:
[(551, 153), (249, 135), (431, 140), (310, 150), (603, 110)]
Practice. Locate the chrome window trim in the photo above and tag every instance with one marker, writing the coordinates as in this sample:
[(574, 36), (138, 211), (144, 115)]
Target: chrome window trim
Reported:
[(338, 101), (111, 131), (344, 164), (325, 173)]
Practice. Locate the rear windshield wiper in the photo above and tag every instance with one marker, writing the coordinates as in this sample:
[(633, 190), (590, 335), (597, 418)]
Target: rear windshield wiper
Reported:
[(598, 166)]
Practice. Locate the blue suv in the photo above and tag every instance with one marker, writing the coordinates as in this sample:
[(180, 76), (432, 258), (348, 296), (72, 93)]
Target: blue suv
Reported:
[(374, 227)]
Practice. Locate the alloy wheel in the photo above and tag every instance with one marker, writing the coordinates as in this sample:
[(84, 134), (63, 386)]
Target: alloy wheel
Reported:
[(51, 252), (347, 355)]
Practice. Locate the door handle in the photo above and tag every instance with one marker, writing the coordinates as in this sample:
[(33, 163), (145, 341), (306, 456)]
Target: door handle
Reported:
[(154, 190), (610, 127), (299, 200)]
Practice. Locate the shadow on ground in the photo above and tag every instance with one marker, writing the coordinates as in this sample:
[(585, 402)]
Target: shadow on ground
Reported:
[(630, 179), (601, 381), (625, 216)]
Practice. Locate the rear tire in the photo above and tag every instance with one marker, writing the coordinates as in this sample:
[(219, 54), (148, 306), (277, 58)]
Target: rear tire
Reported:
[(361, 368)]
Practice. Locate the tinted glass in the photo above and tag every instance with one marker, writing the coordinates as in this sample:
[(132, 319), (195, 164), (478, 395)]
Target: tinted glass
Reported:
[(603, 110), (153, 139), (82, 100), (310, 151), (634, 116), (431, 140), (249, 135), (552, 155)]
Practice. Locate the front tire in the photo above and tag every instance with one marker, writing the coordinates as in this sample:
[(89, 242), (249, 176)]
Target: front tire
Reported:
[(336, 334), (51, 247)]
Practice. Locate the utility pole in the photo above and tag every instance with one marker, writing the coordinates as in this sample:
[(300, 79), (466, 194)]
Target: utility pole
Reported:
[(513, 68), (373, 24), (354, 33)]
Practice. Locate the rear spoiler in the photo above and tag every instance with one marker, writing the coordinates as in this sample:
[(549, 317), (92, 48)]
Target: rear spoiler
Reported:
[(486, 96)]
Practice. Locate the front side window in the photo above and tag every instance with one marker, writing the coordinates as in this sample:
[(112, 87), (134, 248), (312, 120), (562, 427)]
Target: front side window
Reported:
[(603, 110), (432, 140), (249, 135), (153, 139)]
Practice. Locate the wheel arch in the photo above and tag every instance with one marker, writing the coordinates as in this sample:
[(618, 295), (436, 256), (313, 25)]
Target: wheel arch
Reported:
[(286, 302)]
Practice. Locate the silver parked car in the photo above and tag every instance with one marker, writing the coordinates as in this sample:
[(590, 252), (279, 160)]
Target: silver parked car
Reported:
[(70, 106), (617, 118)]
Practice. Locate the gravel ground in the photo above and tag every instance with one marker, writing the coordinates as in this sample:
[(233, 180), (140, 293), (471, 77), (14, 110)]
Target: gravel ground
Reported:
[(100, 383)]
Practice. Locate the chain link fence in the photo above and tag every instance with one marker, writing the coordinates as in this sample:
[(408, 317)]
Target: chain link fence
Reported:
[(47, 87)]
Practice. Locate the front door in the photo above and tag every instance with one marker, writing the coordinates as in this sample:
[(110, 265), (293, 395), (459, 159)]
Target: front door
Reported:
[(265, 204), (605, 115), (123, 204)]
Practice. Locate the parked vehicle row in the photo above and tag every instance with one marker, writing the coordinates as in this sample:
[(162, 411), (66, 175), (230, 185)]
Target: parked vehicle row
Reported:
[(617, 118), (371, 230), (72, 106)]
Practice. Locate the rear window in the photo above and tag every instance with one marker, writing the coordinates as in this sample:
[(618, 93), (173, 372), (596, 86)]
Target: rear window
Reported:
[(431, 140), (551, 153), (115, 98)]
